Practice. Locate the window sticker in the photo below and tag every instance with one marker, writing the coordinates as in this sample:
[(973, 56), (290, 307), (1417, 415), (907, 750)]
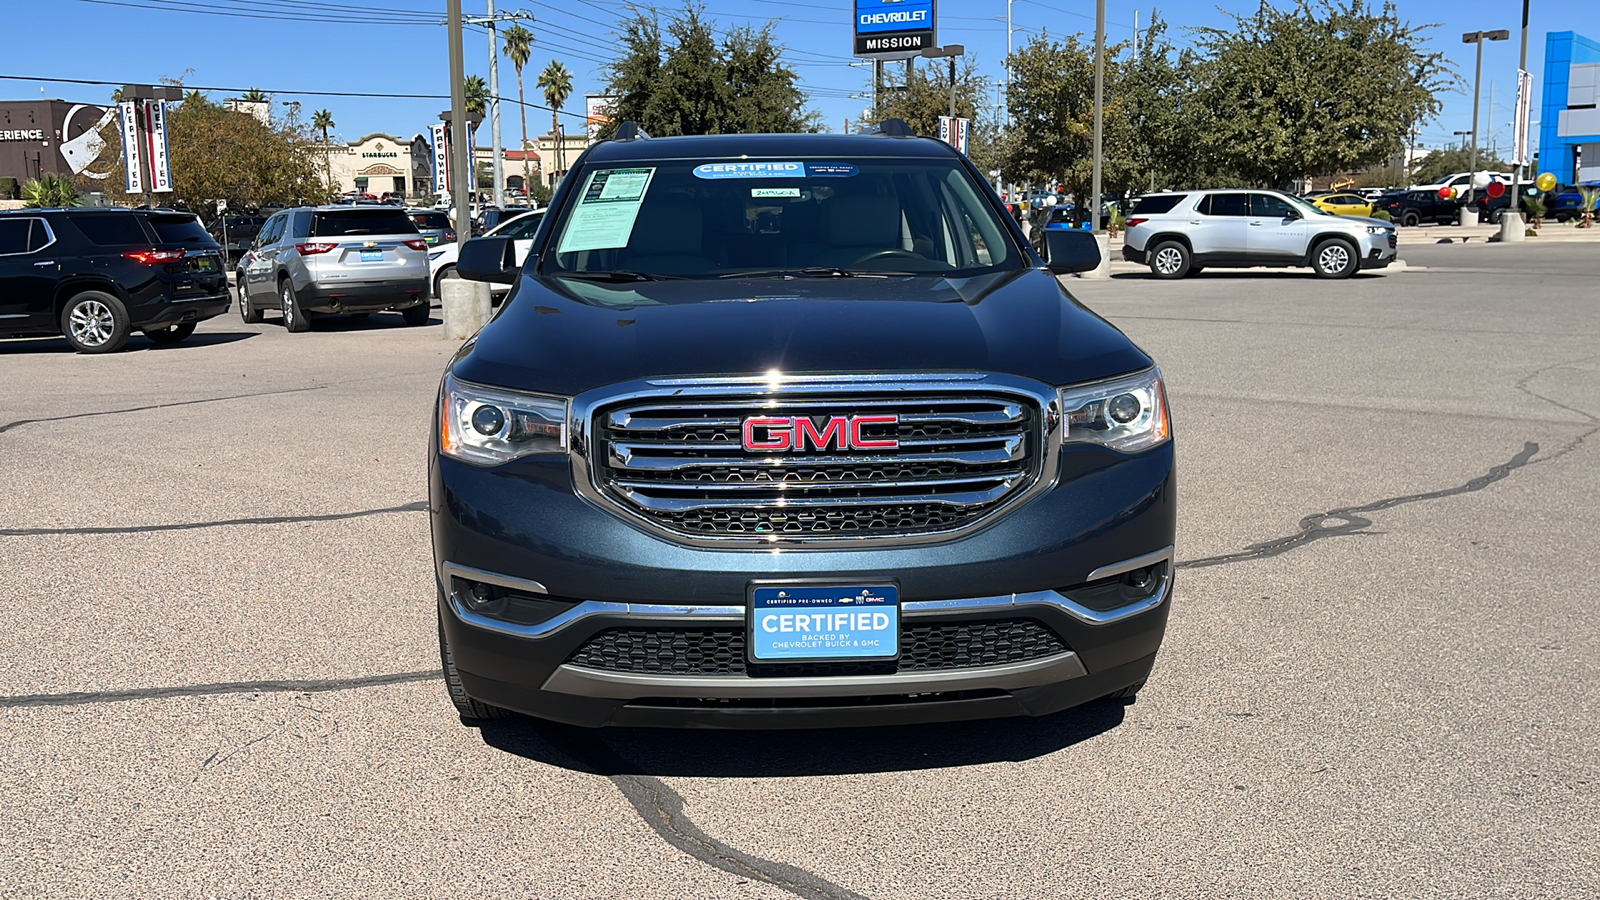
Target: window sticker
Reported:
[(831, 170), (793, 193), (716, 171), (606, 210)]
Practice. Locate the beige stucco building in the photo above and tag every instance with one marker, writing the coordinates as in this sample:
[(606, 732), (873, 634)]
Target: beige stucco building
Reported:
[(381, 164)]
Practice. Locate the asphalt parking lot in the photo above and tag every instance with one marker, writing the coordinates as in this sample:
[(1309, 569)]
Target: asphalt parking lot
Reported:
[(218, 675)]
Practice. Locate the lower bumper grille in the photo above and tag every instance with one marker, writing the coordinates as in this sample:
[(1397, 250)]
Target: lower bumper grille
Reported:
[(721, 650)]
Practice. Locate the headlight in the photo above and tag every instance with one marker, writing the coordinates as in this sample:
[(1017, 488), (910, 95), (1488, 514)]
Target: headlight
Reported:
[(487, 426), (435, 255), (1127, 414), (1377, 229)]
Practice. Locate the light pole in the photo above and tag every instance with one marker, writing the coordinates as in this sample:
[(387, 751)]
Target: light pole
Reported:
[(1099, 109), (1516, 178), (952, 51), (1478, 37)]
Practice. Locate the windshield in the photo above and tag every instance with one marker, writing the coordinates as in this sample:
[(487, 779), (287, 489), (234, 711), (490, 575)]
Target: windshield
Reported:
[(833, 217), (359, 222)]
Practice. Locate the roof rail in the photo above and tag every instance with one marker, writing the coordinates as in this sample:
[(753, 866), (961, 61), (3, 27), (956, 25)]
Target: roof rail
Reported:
[(893, 128), (629, 131)]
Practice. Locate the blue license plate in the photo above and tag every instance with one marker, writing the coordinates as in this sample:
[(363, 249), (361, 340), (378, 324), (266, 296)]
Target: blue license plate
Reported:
[(802, 622), (372, 256)]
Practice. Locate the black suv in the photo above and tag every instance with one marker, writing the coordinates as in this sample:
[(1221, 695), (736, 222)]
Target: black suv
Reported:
[(781, 430), (1411, 208), (96, 275)]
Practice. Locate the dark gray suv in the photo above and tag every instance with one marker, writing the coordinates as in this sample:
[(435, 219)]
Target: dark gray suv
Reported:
[(330, 260)]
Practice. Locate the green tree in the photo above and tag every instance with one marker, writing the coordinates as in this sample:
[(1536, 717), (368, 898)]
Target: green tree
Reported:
[(1316, 88), (1439, 163), (49, 191), (194, 97), (925, 97), (1052, 108), (477, 91), (1156, 91), (322, 120), (689, 83), (255, 95), (556, 82), (519, 49)]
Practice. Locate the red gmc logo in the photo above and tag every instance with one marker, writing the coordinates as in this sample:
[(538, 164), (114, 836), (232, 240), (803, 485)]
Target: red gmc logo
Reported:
[(800, 433)]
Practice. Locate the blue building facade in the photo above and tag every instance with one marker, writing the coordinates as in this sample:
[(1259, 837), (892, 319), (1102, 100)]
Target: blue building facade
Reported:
[(1569, 128)]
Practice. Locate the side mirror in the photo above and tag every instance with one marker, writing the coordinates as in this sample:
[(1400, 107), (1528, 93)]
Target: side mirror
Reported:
[(1069, 250), (1294, 214), (491, 259)]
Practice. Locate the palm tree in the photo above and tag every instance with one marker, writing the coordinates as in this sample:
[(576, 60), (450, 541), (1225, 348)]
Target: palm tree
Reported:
[(477, 91), (49, 191), (323, 119), (519, 48), (255, 95), (194, 98), (556, 82)]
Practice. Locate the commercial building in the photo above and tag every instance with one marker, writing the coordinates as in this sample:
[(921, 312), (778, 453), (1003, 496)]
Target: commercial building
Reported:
[(39, 137), (381, 164), (1569, 127)]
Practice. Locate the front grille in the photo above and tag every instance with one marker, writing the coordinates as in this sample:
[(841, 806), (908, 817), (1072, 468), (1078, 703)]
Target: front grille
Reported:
[(720, 650), (682, 465)]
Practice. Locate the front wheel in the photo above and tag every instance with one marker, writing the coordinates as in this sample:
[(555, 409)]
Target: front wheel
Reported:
[(294, 318), (1169, 259), (247, 310), (469, 709), (170, 335), (95, 322), (1334, 259)]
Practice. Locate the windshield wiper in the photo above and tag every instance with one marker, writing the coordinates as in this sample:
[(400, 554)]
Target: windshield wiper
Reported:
[(815, 272), (615, 275)]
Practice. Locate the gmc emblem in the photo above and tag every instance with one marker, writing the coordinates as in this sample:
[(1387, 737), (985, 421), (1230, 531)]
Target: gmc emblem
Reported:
[(799, 433)]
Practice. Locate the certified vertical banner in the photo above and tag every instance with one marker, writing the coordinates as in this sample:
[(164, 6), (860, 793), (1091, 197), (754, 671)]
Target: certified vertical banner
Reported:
[(1524, 108), (954, 131), (160, 165), (130, 146), (441, 160)]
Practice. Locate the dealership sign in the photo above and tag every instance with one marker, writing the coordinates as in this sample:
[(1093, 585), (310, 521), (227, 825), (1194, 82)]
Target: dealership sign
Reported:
[(894, 29)]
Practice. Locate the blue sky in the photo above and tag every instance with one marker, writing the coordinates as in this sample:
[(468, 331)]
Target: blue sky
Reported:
[(396, 47)]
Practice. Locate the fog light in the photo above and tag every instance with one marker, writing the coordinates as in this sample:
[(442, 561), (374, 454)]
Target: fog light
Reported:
[(488, 420), (1123, 408)]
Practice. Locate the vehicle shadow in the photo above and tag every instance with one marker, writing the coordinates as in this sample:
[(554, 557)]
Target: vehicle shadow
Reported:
[(1235, 274), (770, 754), (377, 321), (137, 343)]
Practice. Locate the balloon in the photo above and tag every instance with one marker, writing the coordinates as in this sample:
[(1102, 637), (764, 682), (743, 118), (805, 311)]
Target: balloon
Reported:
[(1446, 192), (1496, 188), (1480, 179), (1546, 182)]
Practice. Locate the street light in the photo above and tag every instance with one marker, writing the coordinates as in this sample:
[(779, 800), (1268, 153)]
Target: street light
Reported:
[(1478, 37), (952, 51)]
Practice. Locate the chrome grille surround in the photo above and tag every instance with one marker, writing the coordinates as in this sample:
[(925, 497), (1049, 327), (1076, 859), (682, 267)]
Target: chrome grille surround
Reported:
[(666, 455)]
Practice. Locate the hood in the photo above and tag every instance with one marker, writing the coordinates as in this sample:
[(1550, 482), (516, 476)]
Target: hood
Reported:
[(565, 336)]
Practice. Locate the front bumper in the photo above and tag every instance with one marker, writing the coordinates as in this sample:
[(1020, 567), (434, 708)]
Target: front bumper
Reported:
[(1378, 250), (522, 525), (363, 296)]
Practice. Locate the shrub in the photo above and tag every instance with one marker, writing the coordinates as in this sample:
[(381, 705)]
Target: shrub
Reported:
[(1382, 214), (8, 189)]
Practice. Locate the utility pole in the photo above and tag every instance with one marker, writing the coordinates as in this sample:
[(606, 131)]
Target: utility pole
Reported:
[(1009, 33), (460, 163), (497, 164), (1099, 109), (1522, 66), (497, 152), (1136, 35), (877, 87)]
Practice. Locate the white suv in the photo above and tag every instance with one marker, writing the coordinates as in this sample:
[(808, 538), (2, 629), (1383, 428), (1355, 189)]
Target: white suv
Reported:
[(1178, 233)]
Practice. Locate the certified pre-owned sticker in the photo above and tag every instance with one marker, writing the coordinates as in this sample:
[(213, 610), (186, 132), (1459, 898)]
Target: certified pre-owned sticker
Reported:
[(713, 171), (831, 170)]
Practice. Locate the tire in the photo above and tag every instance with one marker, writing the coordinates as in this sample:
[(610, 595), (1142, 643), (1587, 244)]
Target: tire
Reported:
[(1410, 220), (469, 709), (1335, 258), (1127, 693), (294, 318), (170, 335), (1496, 216), (417, 315), (447, 272), (247, 310), (95, 322), (1169, 260)]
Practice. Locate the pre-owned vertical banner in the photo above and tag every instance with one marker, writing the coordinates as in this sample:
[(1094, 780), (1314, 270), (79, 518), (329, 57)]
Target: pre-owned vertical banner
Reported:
[(954, 131), (1524, 108), (441, 160), (160, 165), (130, 146)]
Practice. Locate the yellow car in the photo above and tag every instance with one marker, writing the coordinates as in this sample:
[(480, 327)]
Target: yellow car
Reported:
[(1345, 205)]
